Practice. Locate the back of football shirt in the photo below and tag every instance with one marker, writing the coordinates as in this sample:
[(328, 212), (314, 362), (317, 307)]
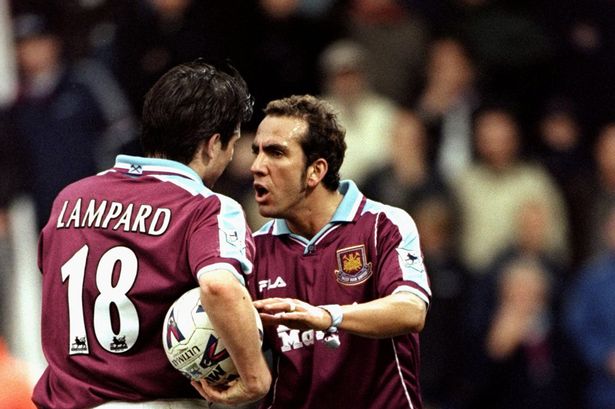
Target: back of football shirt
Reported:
[(118, 249)]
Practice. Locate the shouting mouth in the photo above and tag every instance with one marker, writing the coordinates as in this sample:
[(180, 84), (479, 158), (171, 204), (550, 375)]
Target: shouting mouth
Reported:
[(260, 192)]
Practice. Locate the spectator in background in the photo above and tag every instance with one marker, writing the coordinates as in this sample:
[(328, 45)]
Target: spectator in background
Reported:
[(491, 191), (407, 178), (590, 320), (499, 335), (395, 36), (562, 150), (69, 117), (519, 352), (368, 117), (446, 103), (533, 224), (511, 49), (87, 27)]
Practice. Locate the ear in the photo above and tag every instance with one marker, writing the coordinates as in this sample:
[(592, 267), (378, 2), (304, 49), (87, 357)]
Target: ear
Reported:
[(316, 172), (213, 146)]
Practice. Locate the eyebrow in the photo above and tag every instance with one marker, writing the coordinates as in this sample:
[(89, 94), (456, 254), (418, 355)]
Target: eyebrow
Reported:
[(270, 147)]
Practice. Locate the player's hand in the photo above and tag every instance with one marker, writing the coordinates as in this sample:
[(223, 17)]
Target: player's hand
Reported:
[(292, 313), (232, 393)]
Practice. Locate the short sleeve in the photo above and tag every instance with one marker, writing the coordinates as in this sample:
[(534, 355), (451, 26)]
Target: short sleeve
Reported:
[(400, 263), (221, 239)]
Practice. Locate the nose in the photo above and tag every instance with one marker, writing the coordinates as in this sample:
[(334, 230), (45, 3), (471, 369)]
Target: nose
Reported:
[(258, 165)]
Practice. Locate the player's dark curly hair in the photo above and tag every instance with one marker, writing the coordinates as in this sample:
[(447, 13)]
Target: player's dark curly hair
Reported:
[(324, 137), (188, 105)]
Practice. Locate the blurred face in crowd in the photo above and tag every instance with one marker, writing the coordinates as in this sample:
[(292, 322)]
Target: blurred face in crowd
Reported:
[(279, 165), (38, 54), (449, 66), (497, 139), (559, 131), (347, 84), (409, 138)]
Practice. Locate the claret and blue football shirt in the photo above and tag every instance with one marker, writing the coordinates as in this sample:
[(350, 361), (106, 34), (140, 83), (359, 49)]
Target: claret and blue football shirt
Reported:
[(119, 248), (367, 251)]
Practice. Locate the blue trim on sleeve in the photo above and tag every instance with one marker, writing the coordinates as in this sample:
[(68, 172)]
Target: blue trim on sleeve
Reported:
[(232, 232)]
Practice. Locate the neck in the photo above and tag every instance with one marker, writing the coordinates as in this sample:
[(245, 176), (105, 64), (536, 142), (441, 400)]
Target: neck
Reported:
[(316, 211), (200, 163)]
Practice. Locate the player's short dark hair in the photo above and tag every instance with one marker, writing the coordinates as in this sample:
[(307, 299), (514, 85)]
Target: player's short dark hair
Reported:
[(189, 104), (324, 137)]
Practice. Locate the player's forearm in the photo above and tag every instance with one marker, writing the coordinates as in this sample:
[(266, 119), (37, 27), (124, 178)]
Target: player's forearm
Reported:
[(396, 314), (230, 309)]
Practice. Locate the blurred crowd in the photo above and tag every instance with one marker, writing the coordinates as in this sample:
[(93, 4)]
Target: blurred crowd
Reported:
[(492, 122)]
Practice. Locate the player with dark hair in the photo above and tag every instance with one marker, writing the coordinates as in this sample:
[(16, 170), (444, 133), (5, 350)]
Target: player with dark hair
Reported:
[(340, 279), (120, 247)]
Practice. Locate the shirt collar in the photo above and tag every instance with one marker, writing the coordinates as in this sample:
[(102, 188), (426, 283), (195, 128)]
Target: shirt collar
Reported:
[(345, 212), (137, 166)]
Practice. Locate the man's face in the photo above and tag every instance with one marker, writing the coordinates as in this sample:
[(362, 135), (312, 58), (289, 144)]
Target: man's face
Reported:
[(279, 166)]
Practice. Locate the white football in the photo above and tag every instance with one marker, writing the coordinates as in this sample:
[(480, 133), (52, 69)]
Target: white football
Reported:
[(191, 344)]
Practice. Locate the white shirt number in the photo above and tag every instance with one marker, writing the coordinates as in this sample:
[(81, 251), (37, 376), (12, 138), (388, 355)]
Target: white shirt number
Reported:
[(74, 271)]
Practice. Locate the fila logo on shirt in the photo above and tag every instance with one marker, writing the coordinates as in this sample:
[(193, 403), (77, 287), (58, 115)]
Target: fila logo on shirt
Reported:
[(269, 285)]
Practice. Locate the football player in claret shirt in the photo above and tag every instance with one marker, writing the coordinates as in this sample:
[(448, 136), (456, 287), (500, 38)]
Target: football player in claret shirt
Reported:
[(121, 246), (339, 278)]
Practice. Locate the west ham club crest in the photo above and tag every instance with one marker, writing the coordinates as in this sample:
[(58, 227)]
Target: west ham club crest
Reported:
[(352, 265)]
